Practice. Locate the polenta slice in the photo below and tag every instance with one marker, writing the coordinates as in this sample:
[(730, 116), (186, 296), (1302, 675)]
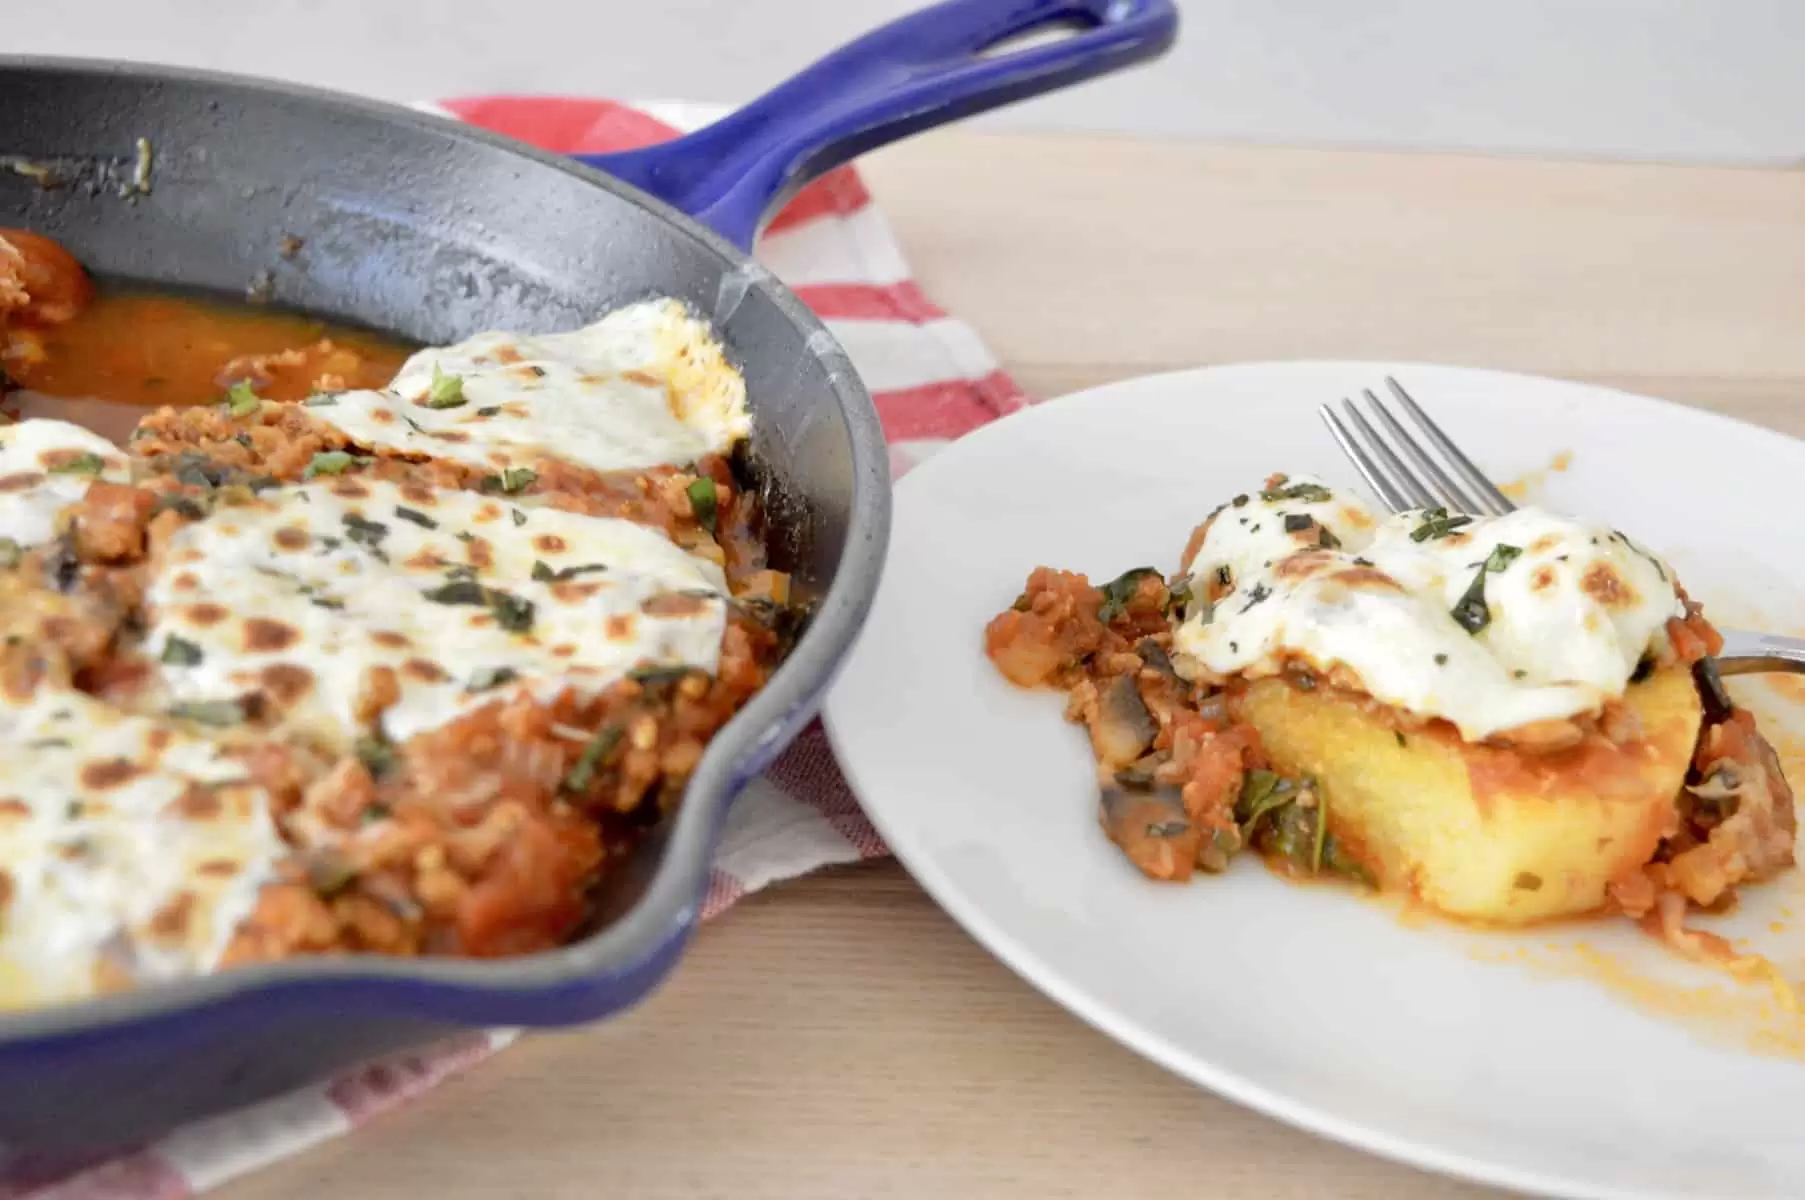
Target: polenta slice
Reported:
[(1482, 832)]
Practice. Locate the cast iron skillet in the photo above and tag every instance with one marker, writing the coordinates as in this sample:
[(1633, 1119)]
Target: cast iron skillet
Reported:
[(436, 231)]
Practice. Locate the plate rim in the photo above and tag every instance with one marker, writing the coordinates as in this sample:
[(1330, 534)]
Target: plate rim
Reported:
[(1157, 1049)]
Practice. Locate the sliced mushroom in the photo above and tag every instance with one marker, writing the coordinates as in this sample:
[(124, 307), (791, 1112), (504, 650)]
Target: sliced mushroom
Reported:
[(1151, 828), (1124, 728)]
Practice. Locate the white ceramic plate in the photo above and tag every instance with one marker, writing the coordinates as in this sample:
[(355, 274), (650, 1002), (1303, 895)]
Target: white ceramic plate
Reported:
[(1553, 1061)]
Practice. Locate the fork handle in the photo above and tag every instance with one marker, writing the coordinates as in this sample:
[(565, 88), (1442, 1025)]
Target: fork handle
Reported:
[(1747, 653)]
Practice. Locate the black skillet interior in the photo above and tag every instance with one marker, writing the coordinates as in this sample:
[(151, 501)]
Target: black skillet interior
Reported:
[(420, 227)]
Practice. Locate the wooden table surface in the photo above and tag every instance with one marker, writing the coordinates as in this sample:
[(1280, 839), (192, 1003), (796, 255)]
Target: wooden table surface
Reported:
[(839, 1036)]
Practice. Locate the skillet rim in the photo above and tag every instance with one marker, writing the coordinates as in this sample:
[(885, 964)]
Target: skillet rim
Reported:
[(648, 936)]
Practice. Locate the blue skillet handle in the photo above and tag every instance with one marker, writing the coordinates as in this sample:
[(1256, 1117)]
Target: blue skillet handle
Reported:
[(922, 70)]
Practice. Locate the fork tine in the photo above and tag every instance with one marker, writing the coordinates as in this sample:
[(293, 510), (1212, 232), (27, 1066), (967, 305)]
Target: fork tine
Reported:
[(1494, 499), (1405, 483), (1369, 459), (1363, 462), (1447, 491)]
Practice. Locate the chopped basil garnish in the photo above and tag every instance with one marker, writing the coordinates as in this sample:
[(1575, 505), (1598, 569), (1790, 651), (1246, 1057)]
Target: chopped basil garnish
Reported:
[(1120, 590), (365, 532), (460, 591), (1298, 522), (242, 399), (175, 502), (81, 464), (1502, 556), (321, 400), (703, 501), (656, 676), (1261, 793), (1437, 524), (209, 712), (594, 755), (181, 653), (377, 756), (1471, 612), (519, 517), (511, 612), (511, 480), (545, 574), (416, 516), (484, 678), (1259, 595), (1309, 493), (327, 462), (489, 410), (537, 371), (446, 391)]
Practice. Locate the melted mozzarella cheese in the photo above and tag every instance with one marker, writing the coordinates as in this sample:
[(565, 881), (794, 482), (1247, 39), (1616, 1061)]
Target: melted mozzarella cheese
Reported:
[(45, 466), (303, 592), (1569, 609), (646, 386), (130, 849)]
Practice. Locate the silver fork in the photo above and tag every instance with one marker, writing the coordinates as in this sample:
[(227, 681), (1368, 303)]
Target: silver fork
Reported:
[(1379, 457)]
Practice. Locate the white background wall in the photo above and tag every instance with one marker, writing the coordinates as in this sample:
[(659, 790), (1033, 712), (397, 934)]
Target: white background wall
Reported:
[(1711, 80)]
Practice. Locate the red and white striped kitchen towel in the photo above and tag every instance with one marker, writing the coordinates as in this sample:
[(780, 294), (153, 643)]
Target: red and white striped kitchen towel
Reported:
[(932, 379)]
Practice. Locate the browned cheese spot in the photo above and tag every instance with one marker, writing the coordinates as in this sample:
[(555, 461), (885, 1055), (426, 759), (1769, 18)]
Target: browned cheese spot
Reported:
[(285, 683), (109, 773), (292, 537), (197, 803), (424, 671), (1602, 582), (264, 636), (673, 604), (170, 923), (1303, 564), (205, 615)]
